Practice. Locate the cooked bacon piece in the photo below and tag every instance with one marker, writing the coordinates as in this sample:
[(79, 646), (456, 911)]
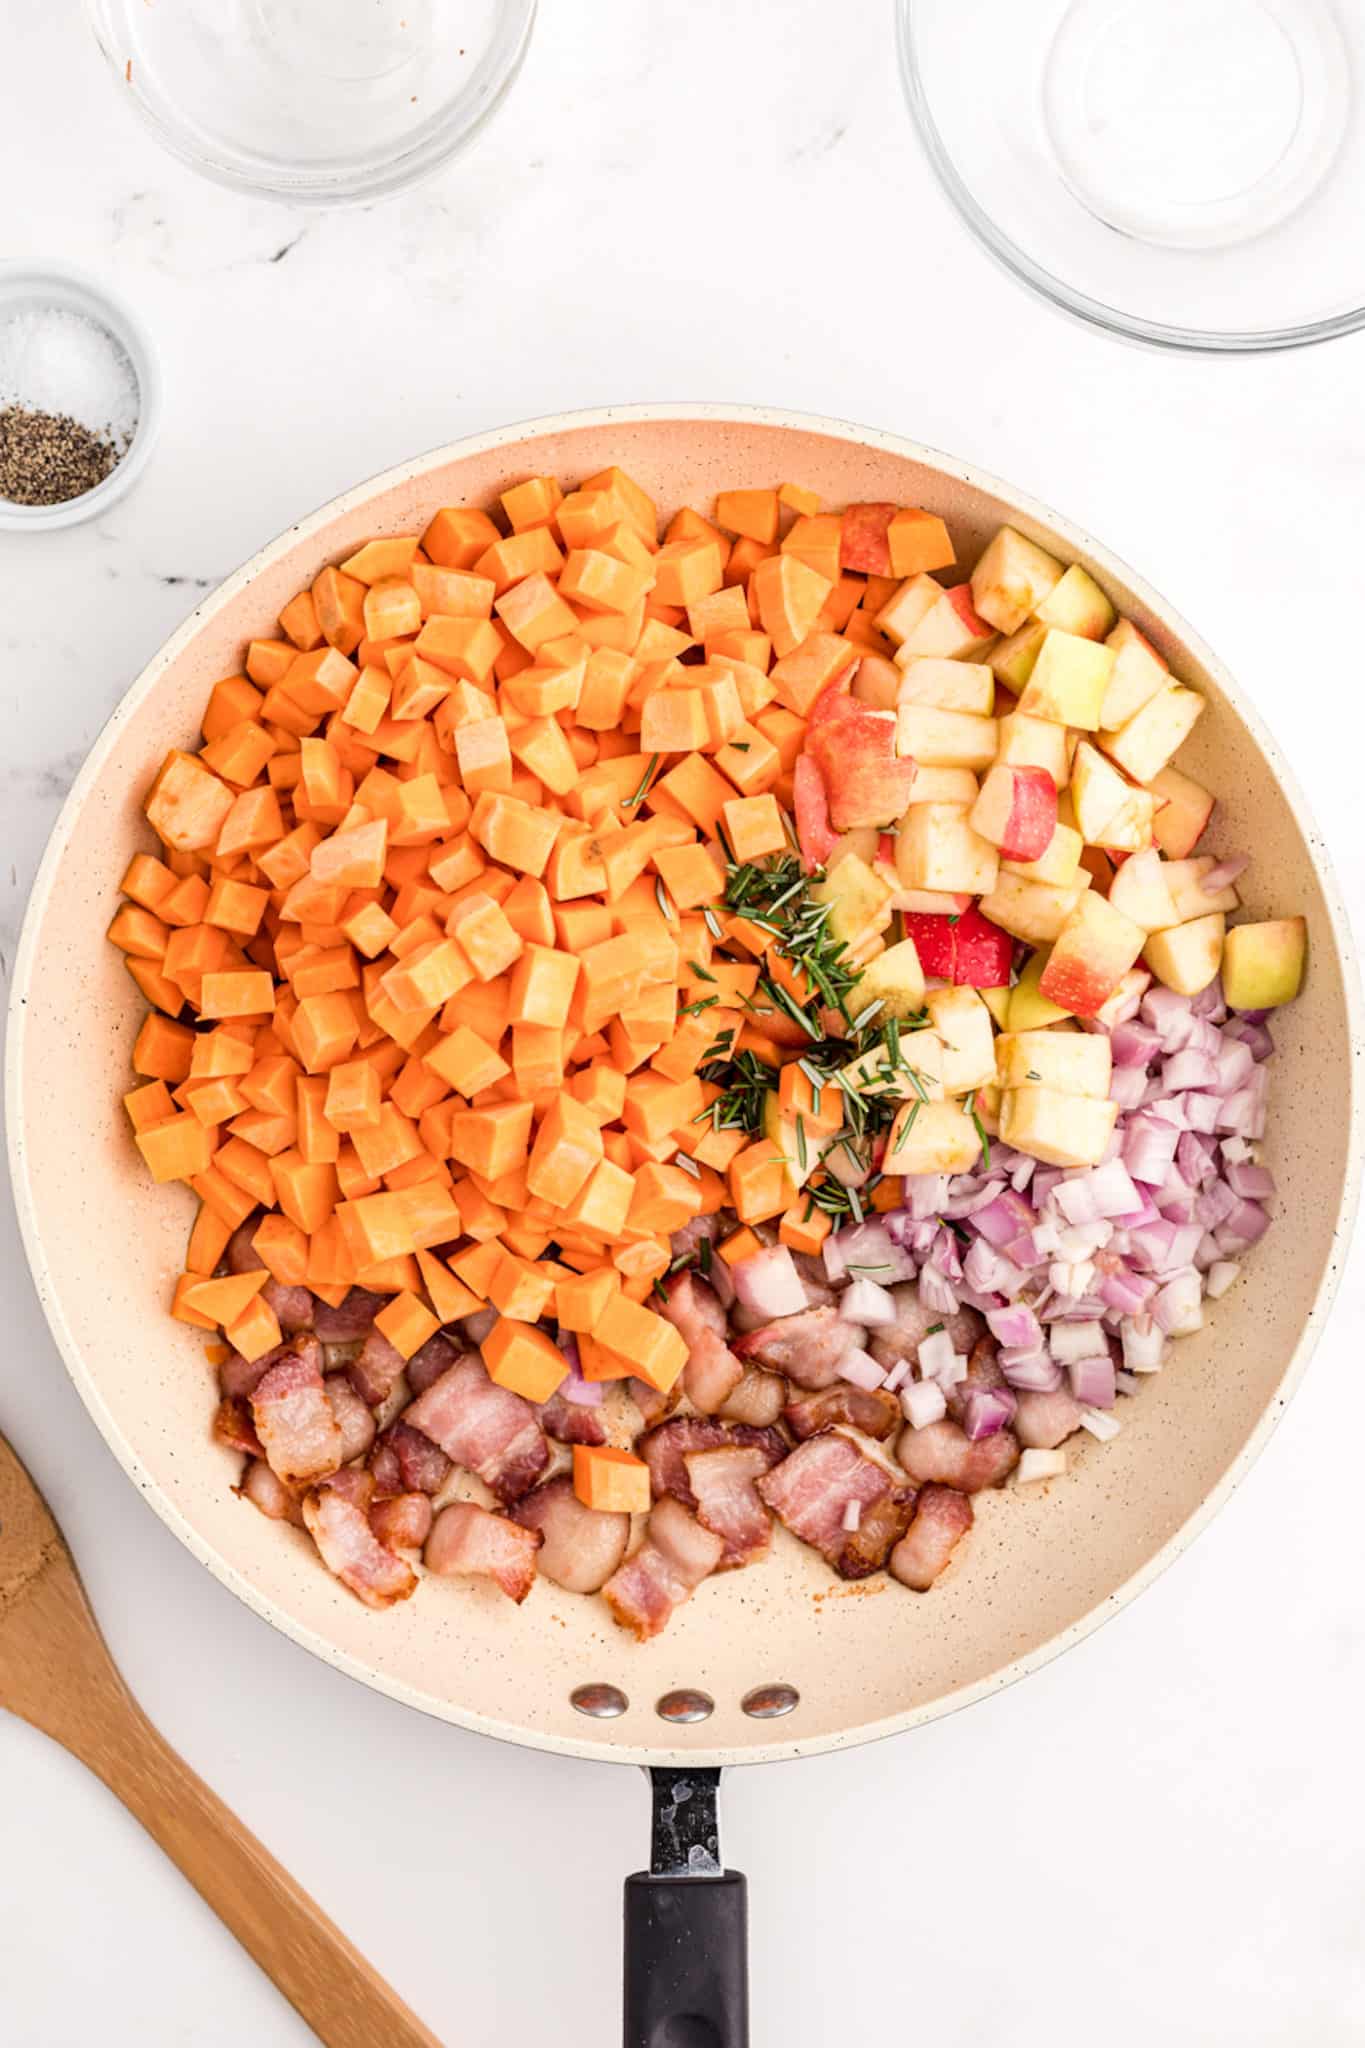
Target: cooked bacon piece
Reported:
[(666, 1448), (902, 1339), (349, 1547), (264, 1491), (983, 1374), (352, 1319), (239, 1377), (376, 1369), (819, 1293), (712, 1371), (232, 1426), (483, 1427), (353, 1483), (811, 1490), (469, 1541), (354, 1419), (294, 1418), (569, 1422), (581, 1546), (942, 1519), (676, 1555), (405, 1461), (722, 1484), (944, 1455), (806, 1347), (872, 1411), (1042, 1421), (758, 1399), (431, 1359), (402, 1522), (653, 1405)]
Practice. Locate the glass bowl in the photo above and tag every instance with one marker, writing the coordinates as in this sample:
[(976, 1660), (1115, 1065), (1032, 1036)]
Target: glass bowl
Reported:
[(1187, 173), (317, 102)]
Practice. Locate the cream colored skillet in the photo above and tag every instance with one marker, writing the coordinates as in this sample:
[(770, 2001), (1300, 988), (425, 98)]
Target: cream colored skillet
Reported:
[(775, 1662)]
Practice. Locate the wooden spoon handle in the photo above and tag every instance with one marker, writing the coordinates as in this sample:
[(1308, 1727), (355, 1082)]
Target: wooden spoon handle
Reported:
[(327, 1981)]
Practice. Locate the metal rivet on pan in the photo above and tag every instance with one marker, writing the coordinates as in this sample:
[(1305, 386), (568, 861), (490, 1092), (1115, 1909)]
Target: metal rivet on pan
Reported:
[(685, 1705), (769, 1702), (602, 1702)]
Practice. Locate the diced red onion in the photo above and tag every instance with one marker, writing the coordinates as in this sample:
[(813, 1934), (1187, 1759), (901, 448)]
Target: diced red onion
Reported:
[(1016, 1327), (944, 1256), (1201, 1112), (1071, 1277), (768, 1284), (864, 1301), (1169, 1015), (869, 1245), (1188, 1069), (1072, 1340), (986, 1411), (1127, 1382), (936, 1354), (923, 1403), (1134, 1045), (1127, 1292), (1035, 1466), (1243, 1227), (1127, 1086), (1031, 1372), (925, 1194), (1143, 1344), (1215, 1204), (1220, 1277), (1005, 1220), (1224, 873), (1100, 1425), (1253, 1183), (1149, 1149), (583, 1393), (1092, 1380), (936, 1294), (1252, 1031), (896, 1375), (861, 1370), (1234, 1062), (1178, 1308)]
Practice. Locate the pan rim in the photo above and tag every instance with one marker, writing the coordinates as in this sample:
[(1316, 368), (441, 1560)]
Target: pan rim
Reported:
[(86, 1383)]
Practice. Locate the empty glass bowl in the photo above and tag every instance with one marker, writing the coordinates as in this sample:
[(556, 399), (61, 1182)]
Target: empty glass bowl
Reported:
[(318, 102), (1184, 172)]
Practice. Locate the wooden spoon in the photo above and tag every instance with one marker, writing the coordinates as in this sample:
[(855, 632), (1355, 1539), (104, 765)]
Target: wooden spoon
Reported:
[(57, 1674)]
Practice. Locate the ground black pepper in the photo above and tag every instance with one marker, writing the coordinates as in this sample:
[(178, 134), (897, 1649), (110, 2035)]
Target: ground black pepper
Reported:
[(47, 457)]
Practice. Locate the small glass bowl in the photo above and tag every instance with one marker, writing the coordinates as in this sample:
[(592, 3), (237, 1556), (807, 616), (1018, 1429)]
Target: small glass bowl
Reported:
[(317, 102), (22, 287), (1187, 173)]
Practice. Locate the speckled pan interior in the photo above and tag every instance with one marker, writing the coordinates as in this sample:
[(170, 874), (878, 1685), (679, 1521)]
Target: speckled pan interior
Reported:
[(1039, 1571)]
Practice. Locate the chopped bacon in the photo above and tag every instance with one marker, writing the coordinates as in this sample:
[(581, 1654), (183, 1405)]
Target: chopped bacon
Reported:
[(264, 1491), (712, 1371), (942, 1454), (349, 1548), (676, 1555), (482, 1427), (811, 1271), (870, 1410), (722, 1484), (581, 1546), (352, 1482), (666, 1448), (232, 1425), (351, 1319), (294, 1418), (807, 1347), (811, 1491), (1042, 1421), (469, 1541), (569, 1422), (376, 1369), (902, 1339), (984, 1373), (405, 1461), (354, 1419), (758, 1399), (239, 1377), (653, 1405), (293, 1306), (942, 1519), (403, 1522), (430, 1360)]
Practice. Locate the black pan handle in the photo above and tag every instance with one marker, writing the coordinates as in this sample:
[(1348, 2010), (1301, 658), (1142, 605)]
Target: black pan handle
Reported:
[(687, 1927)]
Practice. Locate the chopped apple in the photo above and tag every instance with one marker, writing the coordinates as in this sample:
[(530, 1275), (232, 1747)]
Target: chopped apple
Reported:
[(1093, 951), (1140, 889), (1263, 963), (1032, 911), (1028, 1009), (932, 1137), (877, 681), (894, 979), (1144, 745), (905, 608), (1187, 956), (950, 627), (937, 849), (1108, 809), (1128, 993), (1139, 672), (864, 842), (1016, 811), (945, 739), (1012, 659), (962, 947), (1183, 810), (931, 902), (943, 785), (860, 901), (1057, 863), (1077, 605), (951, 685), (963, 1022), (1073, 1062), (866, 780), (1012, 579), (997, 1001), (1185, 880), (1035, 743), (810, 804), (1068, 681), (1061, 1130)]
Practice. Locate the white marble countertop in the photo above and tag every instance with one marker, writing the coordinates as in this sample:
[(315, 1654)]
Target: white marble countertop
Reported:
[(1158, 1837)]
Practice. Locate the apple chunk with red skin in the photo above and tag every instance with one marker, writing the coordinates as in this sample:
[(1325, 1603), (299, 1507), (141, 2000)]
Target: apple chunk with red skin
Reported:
[(951, 626), (968, 950), (1093, 951), (1016, 811), (1184, 808), (863, 545), (866, 781), (814, 833)]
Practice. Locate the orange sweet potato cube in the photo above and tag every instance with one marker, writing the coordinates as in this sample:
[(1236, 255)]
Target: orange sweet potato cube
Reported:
[(612, 1481), (407, 1323), (187, 804), (523, 1359)]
